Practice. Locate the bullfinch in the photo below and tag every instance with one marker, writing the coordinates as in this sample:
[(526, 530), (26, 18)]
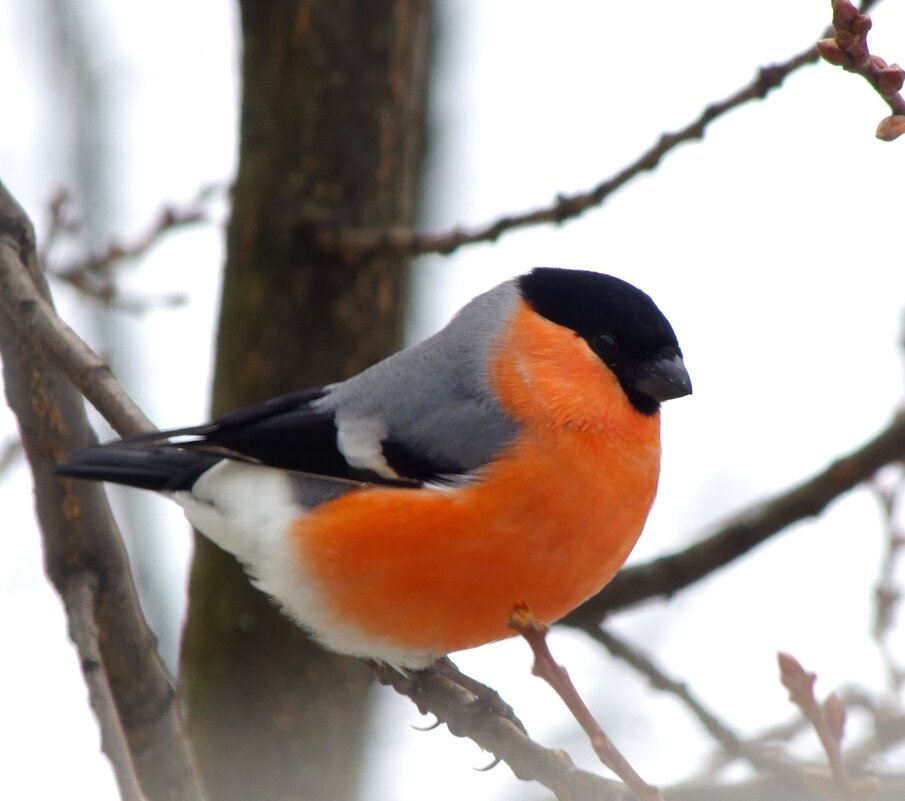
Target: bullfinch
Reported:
[(511, 458)]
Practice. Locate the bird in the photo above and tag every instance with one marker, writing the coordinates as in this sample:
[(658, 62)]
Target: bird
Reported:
[(401, 514)]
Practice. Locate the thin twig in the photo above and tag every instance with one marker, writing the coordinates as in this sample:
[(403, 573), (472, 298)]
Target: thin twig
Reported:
[(94, 274), (746, 530), (10, 451), (828, 722), (171, 218), (79, 535), (353, 244), (887, 594), (778, 788), (848, 49), (467, 716), (39, 323), (888, 733), (80, 596), (60, 222), (731, 743), (403, 241), (767, 739), (828, 719), (545, 667)]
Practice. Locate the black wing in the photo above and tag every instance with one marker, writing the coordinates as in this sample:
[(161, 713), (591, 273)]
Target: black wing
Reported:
[(288, 432), (285, 432)]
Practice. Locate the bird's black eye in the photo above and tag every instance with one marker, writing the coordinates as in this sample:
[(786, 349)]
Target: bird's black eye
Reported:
[(604, 345)]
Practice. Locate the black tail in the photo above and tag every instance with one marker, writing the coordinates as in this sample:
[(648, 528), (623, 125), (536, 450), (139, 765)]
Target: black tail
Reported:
[(161, 468)]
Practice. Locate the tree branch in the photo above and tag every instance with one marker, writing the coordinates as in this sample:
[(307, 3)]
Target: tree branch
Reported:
[(888, 734), (887, 591), (848, 49), (732, 539), (828, 721), (731, 743), (93, 274), (465, 716), (81, 595), (354, 244), (404, 241), (32, 314), (778, 788), (82, 548), (10, 451)]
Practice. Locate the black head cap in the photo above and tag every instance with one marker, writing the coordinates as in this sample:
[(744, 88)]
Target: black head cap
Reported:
[(622, 325)]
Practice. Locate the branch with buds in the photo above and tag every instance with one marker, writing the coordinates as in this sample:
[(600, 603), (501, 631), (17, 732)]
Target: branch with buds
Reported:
[(828, 721), (94, 274), (848, 49)]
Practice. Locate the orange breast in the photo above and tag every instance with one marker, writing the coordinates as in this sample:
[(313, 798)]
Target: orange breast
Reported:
[(548, 523)]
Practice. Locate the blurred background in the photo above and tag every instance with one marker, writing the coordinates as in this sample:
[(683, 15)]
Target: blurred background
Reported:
[(772, 246)]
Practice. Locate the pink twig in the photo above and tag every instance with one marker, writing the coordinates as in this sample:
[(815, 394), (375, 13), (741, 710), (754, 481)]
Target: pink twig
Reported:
[(545, 667), (828, 718), (848, 49)]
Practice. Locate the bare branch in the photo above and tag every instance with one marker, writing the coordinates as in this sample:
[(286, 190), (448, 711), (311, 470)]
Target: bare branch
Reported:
[(778, 788), (888, 733), (887, 594), (107, 292), (9, 453), (848, 49), (94, 274), (353, 244), (403, 241), (828, 721), (466, 716), (734, 538), (79, 536), (731, 743), (545, 667), (783, 732), (81, 593), (168, 220), (36, 321), (60, 222)]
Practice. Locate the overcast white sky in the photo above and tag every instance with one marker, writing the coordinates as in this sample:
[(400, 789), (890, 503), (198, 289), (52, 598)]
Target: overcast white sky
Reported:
[(773, 247)]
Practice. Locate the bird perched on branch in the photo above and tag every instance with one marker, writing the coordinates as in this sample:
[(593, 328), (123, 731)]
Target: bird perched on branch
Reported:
[(401, 514)]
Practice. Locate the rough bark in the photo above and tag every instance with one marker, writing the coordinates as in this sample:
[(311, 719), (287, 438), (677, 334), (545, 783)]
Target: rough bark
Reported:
[(83, 553), (331, 133)]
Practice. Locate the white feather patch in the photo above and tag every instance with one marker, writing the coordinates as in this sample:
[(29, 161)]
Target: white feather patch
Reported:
[(359, 440), (249, 510)]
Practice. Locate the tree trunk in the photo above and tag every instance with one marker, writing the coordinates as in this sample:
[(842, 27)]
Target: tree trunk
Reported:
[(332, 126)]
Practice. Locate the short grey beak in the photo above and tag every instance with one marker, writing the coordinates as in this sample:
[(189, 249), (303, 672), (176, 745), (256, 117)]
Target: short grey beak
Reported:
[(663, 378)]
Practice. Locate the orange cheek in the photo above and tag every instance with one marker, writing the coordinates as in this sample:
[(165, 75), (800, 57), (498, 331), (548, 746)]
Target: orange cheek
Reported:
[(549, 375)]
